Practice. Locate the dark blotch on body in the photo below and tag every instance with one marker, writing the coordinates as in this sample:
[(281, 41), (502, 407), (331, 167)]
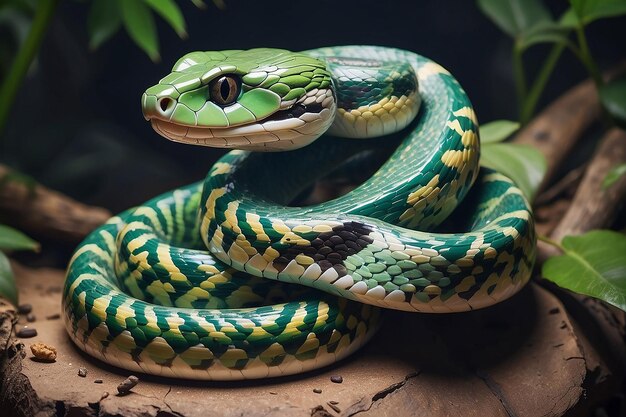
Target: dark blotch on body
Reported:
[(330, 249)]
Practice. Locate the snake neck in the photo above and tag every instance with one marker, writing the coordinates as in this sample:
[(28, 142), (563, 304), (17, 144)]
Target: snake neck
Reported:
[(374, 98)]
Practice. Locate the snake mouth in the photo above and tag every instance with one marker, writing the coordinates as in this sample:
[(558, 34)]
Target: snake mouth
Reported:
[(285, 129)]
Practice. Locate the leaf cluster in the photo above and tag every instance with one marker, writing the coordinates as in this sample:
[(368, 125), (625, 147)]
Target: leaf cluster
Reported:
[(529, 22)]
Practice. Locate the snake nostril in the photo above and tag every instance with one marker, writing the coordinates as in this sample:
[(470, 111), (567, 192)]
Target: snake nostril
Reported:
[(166, 104)]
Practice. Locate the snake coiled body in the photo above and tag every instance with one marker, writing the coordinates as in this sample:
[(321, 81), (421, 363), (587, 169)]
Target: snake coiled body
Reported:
[(199, 282)]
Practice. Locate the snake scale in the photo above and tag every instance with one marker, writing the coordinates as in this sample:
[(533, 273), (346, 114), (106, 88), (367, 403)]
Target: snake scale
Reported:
[(198, 282)]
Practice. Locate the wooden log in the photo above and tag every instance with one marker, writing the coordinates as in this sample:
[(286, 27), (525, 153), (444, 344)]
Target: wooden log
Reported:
[(44, 213)]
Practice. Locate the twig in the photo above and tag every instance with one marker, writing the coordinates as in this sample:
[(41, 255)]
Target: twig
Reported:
[(556, 190)]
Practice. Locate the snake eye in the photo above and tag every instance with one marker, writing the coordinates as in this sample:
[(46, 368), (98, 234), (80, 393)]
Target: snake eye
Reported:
[(225, 89)]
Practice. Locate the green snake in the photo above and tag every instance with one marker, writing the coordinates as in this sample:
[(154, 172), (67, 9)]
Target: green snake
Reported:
[(198, 282)]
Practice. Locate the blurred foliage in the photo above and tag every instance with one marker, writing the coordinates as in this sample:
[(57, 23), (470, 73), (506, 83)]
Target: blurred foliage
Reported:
[(11, 240), (106, 17), (614, 175), (8, 289), (15, 20), (529, 23)]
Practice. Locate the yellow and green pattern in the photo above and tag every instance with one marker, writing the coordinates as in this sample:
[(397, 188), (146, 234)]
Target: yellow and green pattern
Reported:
[(199, 282)]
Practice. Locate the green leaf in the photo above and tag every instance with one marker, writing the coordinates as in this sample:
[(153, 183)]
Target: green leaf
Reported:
[(614, 175), (544, 32), (613, 98), (139, 24), (11, 239), (497, 131), (592, 264), (569, 19), (103, 21), (589, 10), (170, 12), (8, 289), (514, 17), (524, 164)]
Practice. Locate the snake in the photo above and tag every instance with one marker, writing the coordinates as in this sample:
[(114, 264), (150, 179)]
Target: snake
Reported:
[(240, 276)]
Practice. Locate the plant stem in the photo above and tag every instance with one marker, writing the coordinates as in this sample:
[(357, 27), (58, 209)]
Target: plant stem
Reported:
[(530, 104), (21, 63), (520, 76), (551, 242), (594, 72), (587, 59)]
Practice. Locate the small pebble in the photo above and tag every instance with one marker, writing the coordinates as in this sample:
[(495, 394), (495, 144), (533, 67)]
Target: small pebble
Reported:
[(43, 352), (24, 308), (337, 379), (31, 318), (334, 407), (127, 385), (317, 390), (25, 332), (55, 316), (82, 372), (97, 381)]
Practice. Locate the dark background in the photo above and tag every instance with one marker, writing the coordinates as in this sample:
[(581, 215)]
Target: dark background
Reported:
[(77, 126)]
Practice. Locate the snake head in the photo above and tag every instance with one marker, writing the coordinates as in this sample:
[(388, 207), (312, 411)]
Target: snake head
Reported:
[(259, 99)]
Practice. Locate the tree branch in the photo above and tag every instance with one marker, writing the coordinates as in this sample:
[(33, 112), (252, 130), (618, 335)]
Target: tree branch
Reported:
[(42, 212)]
